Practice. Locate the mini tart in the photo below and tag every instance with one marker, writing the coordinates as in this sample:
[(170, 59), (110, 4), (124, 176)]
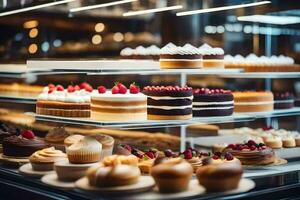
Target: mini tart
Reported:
[(86, 150), (274, 142), (288, 142), (72, 139), (172, 175), (220, 177), (43, 160), (56, 137), (146, 165)]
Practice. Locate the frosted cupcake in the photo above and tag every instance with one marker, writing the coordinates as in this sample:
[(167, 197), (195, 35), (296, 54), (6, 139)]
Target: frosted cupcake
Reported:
[(212, 57), (86, 150)]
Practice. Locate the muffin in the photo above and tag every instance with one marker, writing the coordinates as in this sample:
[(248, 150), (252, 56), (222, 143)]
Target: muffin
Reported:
[(86, 150), (172, 175), (43, 160), (72, 139), (56, 137)]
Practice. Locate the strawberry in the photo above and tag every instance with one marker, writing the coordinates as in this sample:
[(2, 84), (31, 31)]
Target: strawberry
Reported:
[(51, 86), (101, 89), (150, 154), (59, 88), (88, 88), (83, 85), (70, 89), (76, 88), (115, 90), (134, 89), (28, 134), (51, 90), (122, 88)]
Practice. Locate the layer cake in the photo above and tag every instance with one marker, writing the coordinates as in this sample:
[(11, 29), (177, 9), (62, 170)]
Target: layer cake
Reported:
[(283, 100), (212, 57)]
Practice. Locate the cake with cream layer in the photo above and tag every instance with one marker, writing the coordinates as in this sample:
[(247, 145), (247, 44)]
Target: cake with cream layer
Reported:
[(169, 103), (283, 100), (212, 57), (151, 53), (71, 102), (187, 56), (252, 101), (216, 102), (119, 104)]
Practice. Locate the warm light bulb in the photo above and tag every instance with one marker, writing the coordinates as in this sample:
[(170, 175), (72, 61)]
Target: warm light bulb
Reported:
[(32, 49), (96, 39), (99, 27), (33, 33)]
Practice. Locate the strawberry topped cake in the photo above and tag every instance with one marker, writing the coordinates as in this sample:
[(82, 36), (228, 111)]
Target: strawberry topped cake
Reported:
[(119, 104), (71, 102)]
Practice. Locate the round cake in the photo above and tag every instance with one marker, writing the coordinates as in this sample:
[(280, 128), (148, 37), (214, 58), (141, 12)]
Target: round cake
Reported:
[(212, 57), (119, 104), (172, 56), (252, 101), (283, 100), (23, 145), (251, 153), (169, 103), (208, 102), (7, 131)]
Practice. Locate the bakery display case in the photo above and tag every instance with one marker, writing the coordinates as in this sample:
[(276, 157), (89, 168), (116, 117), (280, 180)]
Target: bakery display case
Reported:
[(149, 100)]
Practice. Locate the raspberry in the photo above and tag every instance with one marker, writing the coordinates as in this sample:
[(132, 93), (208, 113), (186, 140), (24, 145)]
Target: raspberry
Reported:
[(150, 154), (134, 89), (231, 146), (70, 89), (168, 153), (215, 157), (127, 147), (83, 85), (219, 154), (229, 156), (115, 90), (188, 154), (59, 88), (28, 134), (239, 147), (122, 88), (101, 89), (251, 143), (88, 88), (76, 88)]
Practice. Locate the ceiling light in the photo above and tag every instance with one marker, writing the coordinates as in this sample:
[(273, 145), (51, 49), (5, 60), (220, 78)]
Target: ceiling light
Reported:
[(32, 49), (101, 5), (96, 39), (155, 10), (99, 27), (30, 24), (33, 33), (208, 10), (34, 7), (269, 19)]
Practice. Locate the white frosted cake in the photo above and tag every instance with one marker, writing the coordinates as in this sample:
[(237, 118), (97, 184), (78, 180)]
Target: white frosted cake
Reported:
[(212, 57)]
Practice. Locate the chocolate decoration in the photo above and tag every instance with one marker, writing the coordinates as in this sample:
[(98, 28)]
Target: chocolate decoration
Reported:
[(213, 112), (215, 97), (208, 57), (155, 111), (175, 102), (179, 93)]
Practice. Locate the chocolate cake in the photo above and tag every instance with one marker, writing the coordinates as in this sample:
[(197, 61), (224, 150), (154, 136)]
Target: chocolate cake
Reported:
[(7, 131), (168, 103), (23, 145), (283, 100), (216, 102)]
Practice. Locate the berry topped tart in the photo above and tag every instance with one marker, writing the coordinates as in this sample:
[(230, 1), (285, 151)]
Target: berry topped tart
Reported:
[(251, 153), (169, 102), (219, 158), (119, 104), (71, 102), (216, 102), (23, 145)]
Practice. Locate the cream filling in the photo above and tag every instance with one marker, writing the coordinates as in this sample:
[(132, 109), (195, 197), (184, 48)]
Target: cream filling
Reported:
[(119, 107), (212, 103), (169, 97), (285, 101), (253, 103), (214, 108), (188, 60), (170, 107)]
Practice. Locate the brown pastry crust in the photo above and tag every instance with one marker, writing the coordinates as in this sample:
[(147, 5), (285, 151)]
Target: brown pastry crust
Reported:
[(63, 113)]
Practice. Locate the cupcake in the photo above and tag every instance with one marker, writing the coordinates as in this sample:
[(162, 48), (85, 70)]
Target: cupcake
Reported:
[(172, 175), (86, 150), (212, 57), (43, 160), (72, 139), (56, 137)]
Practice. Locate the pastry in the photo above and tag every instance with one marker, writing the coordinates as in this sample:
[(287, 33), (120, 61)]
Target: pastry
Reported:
[(43, 160), (212, 57), (68, 141), (283, 100), (20, 90), (151, 52), (172, 175), (7, 131), (202, 130), (297, 140), (193, 157), (251, 101), (119, 104), (216, 102), (220, 177), (72, 102), (86, 150), (273, 142), (56, 136), (172, 56), (117, 172), (169, 103), (127, 53), (251, 153), (288, 142), (23, 145)]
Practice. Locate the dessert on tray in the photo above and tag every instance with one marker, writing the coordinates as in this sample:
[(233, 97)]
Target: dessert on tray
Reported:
[(119, 104), (23, 145), (283, 100), (172, 57), (216, 102), (251, 153), (56, 136), (7, 131), (212, 57), (70, 102), (43, 160), (252, 101), (145, 53), (169, 102)]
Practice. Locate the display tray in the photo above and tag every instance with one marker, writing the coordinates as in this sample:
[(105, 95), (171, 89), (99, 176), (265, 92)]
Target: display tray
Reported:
[(27, 170), (17, 99)]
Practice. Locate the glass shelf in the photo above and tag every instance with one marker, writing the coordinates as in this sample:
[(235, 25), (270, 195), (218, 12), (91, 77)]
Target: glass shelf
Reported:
[(14, 99)]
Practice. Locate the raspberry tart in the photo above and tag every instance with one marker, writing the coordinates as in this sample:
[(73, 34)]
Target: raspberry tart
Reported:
[(119, 104), (216, 102), (169, 102), (251, 153), (283, 100), (70, 102)]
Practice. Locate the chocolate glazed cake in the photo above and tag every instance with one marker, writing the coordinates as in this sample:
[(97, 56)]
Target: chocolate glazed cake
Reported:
[(212, 102), (169, 103), (283, 100)]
